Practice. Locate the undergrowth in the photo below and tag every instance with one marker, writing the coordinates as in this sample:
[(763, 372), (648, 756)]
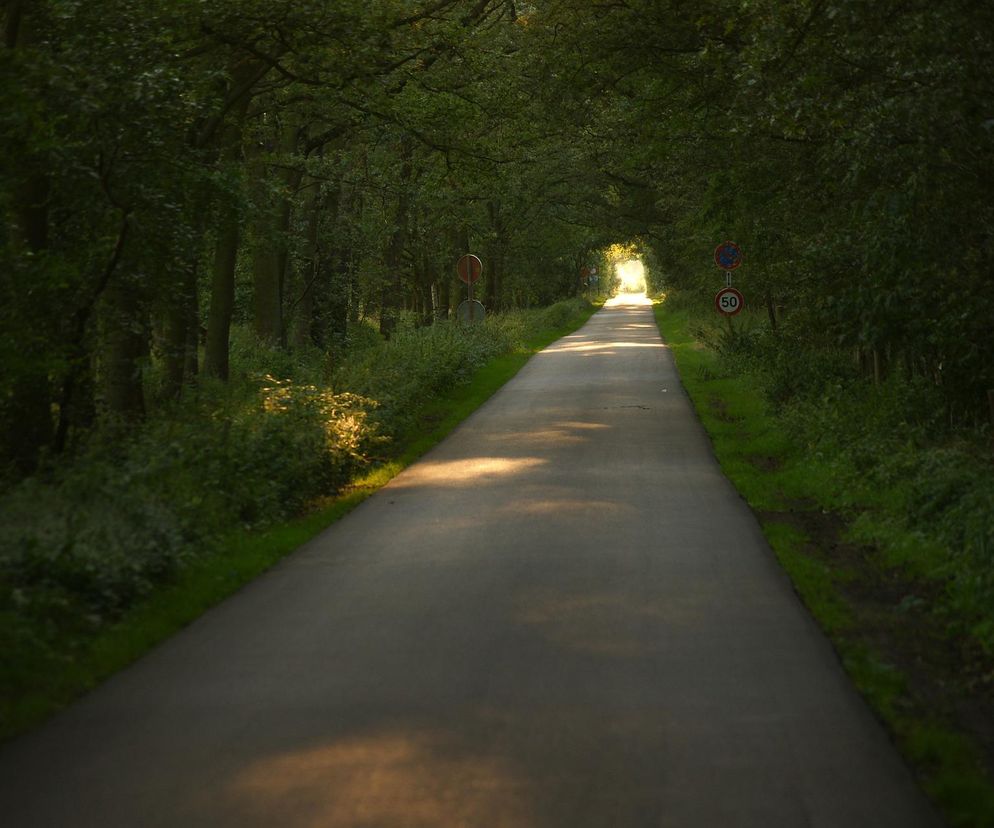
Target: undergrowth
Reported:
[(800, 431), (85, 541), (895, 459)]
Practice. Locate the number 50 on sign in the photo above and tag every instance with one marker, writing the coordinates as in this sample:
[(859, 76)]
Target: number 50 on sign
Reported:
[(728, 301)]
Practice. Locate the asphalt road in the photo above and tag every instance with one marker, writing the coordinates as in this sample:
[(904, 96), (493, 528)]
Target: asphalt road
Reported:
[(561, 616)]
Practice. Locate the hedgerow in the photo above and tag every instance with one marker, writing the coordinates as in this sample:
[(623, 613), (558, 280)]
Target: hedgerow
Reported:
[(891, 444), (84, 541)]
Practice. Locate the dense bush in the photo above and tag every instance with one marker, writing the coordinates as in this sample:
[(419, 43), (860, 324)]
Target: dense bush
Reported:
[(419, 363), (892, 442), (102, 531), (81, 543)]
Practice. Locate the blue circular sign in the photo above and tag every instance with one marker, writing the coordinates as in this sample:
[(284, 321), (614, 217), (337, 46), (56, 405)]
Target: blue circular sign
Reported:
[(728, 255)]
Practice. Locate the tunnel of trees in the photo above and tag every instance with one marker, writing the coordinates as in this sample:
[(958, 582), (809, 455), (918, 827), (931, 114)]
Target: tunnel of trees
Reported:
[(172, 169), (228, 232)]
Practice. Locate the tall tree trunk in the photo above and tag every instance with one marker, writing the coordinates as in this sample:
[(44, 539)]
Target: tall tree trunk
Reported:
[(27, 422), (222, 303), (271, 226), (444, 290), (77, 407), (222, 296), (181, 313), (12, 22), (301, 313), (267, 316), (27, 426), (496, 255), (191, 369), (339, 283), (350, 266), (392, 297), (125, 345)]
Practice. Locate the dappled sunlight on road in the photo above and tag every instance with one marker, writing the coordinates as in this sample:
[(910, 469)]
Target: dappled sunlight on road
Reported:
[(598, 347), (490, 765), (409, 778), (542, 436), (568, 432), (581, 425), (473, 471), (629, 334)]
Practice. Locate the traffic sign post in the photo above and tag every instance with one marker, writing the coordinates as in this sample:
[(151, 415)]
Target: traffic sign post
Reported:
[(728, 255), (469, 268), (728, 301), (470, 310)]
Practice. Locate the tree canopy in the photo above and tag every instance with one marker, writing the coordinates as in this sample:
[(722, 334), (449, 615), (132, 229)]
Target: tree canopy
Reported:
[(173, 168)]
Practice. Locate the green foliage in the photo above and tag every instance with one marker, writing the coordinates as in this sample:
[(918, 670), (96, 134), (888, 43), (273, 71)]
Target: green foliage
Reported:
[(924, 503), (339, 156), (85, 542), (128, 513), (416, 364), (889, 444)]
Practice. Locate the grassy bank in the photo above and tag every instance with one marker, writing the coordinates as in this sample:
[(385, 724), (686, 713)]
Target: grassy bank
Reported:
[(901, 604), (66, 624)]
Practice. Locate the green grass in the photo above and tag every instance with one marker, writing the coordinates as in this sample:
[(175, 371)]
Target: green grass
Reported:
[(814, 581), (743, 431), (244, 555), (776, 476)]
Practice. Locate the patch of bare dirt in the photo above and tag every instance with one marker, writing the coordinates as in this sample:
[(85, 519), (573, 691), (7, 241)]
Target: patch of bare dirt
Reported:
[(720, 411), (765, 462)]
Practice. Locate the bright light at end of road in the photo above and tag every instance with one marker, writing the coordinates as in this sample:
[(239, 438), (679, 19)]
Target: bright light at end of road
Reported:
[(632, 276)]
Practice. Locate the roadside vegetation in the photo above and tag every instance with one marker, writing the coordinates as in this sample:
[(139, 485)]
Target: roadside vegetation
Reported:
[(228, 233), (105, 555), (882, 512)]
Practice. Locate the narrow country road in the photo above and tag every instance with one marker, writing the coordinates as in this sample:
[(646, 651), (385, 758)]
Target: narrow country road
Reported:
[(561, 616)]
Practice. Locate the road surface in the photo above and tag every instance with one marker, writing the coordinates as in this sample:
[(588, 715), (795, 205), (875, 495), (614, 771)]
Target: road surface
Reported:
[(562, 616)]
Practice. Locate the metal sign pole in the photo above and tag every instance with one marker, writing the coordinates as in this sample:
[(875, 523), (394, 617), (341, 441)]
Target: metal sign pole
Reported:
[(469, 284), (469, 268)]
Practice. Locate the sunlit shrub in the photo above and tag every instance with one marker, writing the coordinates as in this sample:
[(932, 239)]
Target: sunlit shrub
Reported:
[(416, 364), (343, 417), (132, 508)]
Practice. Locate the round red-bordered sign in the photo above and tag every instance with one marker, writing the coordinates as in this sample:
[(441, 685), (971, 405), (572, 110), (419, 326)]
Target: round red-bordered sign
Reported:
[(469, 268), (728, 301), (728, 255)]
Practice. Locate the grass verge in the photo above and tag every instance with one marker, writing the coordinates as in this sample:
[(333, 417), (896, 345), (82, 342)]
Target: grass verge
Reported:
[(892, 643), (244, 555)]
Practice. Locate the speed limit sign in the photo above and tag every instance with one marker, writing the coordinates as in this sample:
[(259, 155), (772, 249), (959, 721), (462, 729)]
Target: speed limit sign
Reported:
[(728, 301)]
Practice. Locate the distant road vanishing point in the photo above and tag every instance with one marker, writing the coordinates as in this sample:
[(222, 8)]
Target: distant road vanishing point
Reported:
[(563, 615)]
